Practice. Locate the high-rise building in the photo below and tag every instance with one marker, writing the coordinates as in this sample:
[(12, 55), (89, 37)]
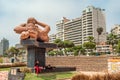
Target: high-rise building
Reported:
[(92, 18), (52, 38), (78, 29), (60, 28), (73, 31), (4, 45)]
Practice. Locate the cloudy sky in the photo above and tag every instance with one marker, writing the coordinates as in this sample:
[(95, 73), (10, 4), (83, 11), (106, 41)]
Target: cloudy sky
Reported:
[(15, 12)]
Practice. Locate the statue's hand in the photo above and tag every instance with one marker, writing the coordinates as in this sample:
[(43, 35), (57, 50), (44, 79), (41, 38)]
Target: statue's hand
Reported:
[(24, 35)]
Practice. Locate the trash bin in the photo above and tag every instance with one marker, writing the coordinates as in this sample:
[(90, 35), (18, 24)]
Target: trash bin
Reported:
[(15, 74), (12, 60)]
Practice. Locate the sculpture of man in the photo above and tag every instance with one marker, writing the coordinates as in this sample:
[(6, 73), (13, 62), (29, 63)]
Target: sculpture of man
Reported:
[(31, 30)]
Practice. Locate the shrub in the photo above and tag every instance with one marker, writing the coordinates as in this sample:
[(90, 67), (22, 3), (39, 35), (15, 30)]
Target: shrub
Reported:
[(80, 76), (106, 76), (97, 77), (26, 70), (51, 53), (60, 53), (1, 60), (76, 53), (92, 53)]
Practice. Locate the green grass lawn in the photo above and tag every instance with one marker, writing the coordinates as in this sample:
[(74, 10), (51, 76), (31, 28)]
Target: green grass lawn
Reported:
[(4, 69), (45, 76), (49, 76)]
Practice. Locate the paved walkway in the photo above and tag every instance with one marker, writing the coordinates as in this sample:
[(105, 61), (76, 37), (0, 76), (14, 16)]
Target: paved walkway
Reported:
[(3, 75)]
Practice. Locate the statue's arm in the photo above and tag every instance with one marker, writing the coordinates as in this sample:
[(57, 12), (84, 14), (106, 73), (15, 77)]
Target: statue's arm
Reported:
[(23, 25), (19, 29), (45, 26)]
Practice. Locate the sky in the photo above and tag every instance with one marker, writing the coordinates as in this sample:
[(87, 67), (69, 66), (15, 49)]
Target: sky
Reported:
[(15, 12)]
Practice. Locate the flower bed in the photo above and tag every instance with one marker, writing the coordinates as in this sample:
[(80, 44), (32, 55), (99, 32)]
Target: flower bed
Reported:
[(102, 76)]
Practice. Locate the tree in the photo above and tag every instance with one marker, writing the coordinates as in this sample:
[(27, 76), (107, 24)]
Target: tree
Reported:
[(52, 53), (112, 40), (118, 48), (89, 46), (79, 49), (60, 46), (99, 31), (64, 45), (67, 44), (59, 43), (13, 51)]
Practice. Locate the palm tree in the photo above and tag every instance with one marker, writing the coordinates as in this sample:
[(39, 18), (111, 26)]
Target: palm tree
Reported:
[(118, 48), (99, 31), (112, 40)]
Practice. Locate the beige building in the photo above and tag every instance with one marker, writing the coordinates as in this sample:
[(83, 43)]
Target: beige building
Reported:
[(52, 38), (78, 29), (116, 29)]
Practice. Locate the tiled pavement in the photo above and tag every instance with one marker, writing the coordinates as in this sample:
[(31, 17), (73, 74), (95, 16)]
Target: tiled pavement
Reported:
[(3, 75)]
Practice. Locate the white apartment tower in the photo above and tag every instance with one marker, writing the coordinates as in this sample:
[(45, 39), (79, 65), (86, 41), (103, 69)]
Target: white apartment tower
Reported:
[(92, 18), (77, 30), (73, 31), (60, 28)]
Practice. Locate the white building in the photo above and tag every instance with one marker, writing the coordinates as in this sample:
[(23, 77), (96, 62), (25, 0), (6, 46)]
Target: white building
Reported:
[(92, 18), (73, 31), (78, 29), (116, 29), (52, 38), (104, 48), (60, 28)]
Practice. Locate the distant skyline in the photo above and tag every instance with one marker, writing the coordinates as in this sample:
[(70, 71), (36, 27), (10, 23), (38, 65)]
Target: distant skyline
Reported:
[(15, 12)]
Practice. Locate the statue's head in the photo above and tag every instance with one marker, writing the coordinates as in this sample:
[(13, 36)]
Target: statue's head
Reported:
[(31, 20)]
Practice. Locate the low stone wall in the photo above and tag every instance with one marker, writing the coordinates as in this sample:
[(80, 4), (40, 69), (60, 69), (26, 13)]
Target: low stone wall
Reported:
[(82, 63)]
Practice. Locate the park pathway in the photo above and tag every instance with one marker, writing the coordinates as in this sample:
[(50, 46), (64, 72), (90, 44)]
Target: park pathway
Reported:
[(3, 75)]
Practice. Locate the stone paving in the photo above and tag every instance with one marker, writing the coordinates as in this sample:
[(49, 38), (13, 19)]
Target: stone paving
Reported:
[(3, 75)]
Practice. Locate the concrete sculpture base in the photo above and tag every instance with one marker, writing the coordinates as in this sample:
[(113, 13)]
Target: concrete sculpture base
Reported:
[(36, 51)]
